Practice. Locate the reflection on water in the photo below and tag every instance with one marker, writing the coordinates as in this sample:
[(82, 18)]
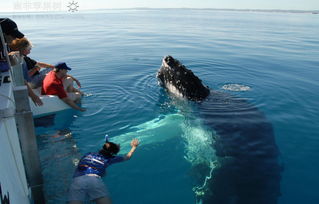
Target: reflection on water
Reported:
[(58, 154)]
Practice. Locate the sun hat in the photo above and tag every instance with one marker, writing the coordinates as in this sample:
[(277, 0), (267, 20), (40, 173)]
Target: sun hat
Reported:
[(9, 27)]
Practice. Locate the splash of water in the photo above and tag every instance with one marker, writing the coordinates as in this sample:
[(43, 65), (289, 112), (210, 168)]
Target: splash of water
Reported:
[(94, 113), (236, 87), (197, 137), (198, 143), (199, 150)]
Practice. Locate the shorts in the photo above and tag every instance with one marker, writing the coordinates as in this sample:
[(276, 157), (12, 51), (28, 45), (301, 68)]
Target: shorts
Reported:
[(91, 187), (74, 96)]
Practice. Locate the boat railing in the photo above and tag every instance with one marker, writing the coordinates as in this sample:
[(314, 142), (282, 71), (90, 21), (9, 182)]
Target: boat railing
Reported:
[(24, 124)]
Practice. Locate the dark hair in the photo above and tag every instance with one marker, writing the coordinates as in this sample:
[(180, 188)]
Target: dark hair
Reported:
[(111, 150)]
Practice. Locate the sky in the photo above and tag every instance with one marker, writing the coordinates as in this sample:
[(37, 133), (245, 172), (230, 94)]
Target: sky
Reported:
[(61, 5)]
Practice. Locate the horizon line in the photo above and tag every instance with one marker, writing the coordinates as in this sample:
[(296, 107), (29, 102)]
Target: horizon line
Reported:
[(189, 8)]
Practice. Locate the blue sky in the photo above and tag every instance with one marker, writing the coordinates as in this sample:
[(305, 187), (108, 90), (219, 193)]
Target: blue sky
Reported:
[(52, 5)]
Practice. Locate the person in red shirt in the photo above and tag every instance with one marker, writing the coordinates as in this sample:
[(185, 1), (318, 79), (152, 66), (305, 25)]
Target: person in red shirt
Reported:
[(56, 83)]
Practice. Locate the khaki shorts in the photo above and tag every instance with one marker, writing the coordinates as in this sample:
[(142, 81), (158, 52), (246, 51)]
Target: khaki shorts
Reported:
[(74, 96), (91, 187)]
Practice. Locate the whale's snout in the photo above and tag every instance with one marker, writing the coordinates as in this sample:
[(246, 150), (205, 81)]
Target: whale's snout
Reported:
[(181, 81)]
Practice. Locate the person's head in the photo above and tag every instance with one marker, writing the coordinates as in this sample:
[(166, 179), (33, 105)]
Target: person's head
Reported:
[(110, 149), (10, 29), (61, 69), (23, 45)]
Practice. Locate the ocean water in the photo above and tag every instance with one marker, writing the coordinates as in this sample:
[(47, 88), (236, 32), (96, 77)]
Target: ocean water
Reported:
[(270, 59)]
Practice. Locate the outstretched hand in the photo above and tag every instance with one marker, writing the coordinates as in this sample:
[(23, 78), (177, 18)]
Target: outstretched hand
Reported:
[(135, 143)]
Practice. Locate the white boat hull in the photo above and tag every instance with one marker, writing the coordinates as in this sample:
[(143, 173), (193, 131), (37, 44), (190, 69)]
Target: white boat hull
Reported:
[(51, 104)]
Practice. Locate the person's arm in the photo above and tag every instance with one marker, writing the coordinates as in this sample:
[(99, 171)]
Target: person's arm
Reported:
[(36, 99), (14, 57), (134, 144), (72, 104), (44, 65), (74, 79), (32, 71), (37, 67)]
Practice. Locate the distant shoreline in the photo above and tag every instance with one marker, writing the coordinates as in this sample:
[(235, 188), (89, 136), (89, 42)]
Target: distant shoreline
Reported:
[(227, 9), (198, 9)]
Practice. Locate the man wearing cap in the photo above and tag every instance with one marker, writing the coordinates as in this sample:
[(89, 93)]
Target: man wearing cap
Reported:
[(11, 32), (56, 83)]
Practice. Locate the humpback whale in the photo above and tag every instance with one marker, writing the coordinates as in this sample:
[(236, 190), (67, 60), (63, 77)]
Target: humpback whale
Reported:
[(248, 170)]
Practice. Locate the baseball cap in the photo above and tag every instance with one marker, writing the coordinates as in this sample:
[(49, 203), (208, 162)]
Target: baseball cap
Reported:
[(62, 65)]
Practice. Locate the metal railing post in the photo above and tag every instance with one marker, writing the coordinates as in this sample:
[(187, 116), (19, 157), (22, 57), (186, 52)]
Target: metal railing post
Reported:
[(28, 142), (26, 131)]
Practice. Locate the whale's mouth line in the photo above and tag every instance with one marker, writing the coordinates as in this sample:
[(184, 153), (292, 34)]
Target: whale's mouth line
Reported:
[(164, 63)]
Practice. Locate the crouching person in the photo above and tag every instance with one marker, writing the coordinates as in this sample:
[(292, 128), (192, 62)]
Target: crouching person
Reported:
[(87, 180), (58, 83)]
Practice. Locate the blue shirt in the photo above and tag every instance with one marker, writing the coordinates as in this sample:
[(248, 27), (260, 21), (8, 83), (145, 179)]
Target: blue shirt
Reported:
[(25, 72), (95, 163)]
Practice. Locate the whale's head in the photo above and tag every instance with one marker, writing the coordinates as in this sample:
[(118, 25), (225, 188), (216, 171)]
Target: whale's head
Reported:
[(180, 81)]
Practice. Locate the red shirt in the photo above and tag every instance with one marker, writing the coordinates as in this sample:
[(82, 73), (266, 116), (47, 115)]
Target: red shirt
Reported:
[(53, 85)]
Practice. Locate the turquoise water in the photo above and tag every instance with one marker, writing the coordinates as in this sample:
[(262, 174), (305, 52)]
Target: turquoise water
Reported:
[(270, 59)]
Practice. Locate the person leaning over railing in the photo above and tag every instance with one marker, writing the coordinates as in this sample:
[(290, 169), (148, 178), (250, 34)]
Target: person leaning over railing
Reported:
[(56, 83), (32, 67), (11, 32)]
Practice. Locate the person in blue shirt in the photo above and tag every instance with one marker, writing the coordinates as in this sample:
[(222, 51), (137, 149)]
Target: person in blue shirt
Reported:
[(87, 180)]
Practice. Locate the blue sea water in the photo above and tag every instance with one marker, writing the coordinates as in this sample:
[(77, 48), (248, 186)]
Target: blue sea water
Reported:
[(270, 59)]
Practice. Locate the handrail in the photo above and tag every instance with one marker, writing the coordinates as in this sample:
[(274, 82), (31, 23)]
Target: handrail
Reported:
[(16, 69), (25, 126)]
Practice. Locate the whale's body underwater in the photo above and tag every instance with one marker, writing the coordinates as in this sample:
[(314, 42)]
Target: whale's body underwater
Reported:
[(248, 170)]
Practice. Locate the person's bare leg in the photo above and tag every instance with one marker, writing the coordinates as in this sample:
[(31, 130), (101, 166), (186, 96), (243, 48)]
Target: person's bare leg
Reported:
[(70, 88), (74, 96), (103, 200), (68, 84)]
